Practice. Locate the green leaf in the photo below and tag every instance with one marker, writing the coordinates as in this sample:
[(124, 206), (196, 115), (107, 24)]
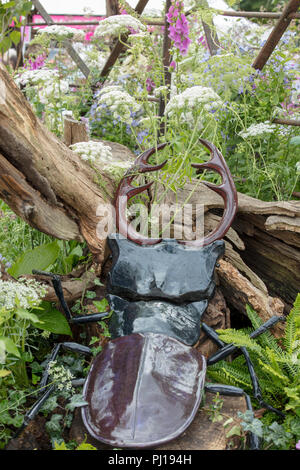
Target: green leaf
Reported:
[(52, 320), (10, 346), (4, 373), (61, 446), (76, 401), (22, 313), (101, 305), (39, 258), (295, 140), (234, 431), (15, 36)]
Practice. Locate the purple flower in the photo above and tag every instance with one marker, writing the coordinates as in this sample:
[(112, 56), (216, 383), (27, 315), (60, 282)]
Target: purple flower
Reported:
[(298, 445), (150, 85), (179, 27), (173, 65)]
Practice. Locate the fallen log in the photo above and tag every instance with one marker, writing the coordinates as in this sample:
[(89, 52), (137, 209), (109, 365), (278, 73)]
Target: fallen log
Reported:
[(42, 180)]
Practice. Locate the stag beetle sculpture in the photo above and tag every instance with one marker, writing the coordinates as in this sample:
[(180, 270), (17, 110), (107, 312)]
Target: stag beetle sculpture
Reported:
[(145, 387)]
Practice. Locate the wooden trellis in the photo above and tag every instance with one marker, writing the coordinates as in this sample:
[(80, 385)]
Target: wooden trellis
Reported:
[(288, 14)]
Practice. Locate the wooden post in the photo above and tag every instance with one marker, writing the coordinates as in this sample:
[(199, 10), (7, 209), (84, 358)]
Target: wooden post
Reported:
[(211, 36), (118, 48), (112, 7), (67, 44), (276, 34)]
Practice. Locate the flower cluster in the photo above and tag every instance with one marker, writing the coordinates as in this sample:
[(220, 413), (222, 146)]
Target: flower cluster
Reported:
[(32, 77), (91, 56), (61, 375), (118, 24), (179, 27), (97, 152), (49, 86), (119, 102), (61, 32), (25, 294), (257, 130), (193, 99)]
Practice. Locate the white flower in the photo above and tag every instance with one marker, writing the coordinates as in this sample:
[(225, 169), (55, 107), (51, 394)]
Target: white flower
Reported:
[(92, 57), (53, 89), (26, 294), (61, 32), (257, 130), (33, 77), (191, 100), (298, 167), (97, 152), (61, 375), (118, 24), (120, 103)]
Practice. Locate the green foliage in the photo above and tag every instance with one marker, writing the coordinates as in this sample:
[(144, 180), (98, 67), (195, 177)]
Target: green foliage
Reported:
[(12, 11), (277, 365), (39, 258), (51, 319)]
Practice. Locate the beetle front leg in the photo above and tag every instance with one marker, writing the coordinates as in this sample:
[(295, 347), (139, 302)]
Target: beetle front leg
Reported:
[(56, 282)]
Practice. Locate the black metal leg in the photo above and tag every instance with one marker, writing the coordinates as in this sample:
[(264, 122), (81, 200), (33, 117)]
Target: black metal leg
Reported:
[(228, 349), (74, 347), (56, 281), (236, 392)]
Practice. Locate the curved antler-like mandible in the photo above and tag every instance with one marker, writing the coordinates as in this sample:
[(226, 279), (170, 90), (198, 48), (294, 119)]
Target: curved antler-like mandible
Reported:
[(125, 191), (226, 189)]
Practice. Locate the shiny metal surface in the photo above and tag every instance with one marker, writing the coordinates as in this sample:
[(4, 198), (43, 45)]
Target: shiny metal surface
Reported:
[(143, 390)]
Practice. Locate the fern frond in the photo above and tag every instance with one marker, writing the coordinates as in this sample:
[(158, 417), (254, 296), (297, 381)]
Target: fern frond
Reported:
[(292, 328), (239, 338), (266, 339)]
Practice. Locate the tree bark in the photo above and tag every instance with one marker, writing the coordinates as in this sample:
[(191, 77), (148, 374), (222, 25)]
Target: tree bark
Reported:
[(43, 181)]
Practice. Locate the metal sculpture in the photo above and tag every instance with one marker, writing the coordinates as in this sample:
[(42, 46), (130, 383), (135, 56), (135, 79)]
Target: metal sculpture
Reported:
[(146, 386)]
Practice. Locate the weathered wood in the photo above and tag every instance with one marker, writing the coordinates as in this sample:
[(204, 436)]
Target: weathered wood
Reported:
[(239, 291), (276, 34), (42, 180), (74, 131), (112, 7)]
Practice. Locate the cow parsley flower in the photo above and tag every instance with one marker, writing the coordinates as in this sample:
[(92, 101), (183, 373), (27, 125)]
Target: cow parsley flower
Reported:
[(33, 77), (26, 293), (258, 130), (61, 375), (193, 99), (119, 102), (61, 32), (118, 24), (97, 152)]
